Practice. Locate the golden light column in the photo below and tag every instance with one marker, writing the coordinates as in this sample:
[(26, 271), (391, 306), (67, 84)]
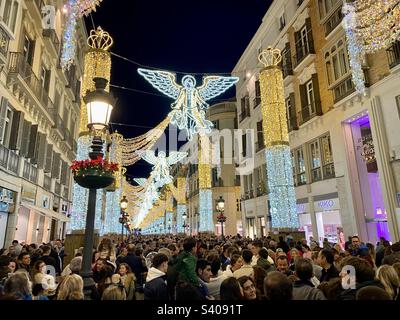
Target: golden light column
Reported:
[(278, 159), (205, 192)]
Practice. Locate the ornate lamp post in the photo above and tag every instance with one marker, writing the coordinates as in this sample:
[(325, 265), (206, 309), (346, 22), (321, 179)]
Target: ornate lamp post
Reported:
[(220, 209), (169, 226), (185, 225), (99, 104), (123, 219)]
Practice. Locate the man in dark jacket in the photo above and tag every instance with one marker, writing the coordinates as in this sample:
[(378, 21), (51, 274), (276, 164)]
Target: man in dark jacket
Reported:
[(326, 258), (135, 263), (49, 260), (156, 285), (394, 257), (303, 289)]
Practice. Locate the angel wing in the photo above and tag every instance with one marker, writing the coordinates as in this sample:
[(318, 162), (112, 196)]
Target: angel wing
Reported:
[(213, 86), (148, 156), (175, 156), (140, 181), (163, 81)]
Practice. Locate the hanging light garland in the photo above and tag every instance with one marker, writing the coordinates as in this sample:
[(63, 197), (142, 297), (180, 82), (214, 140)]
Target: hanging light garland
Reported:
[(76, 9), (370, 25)]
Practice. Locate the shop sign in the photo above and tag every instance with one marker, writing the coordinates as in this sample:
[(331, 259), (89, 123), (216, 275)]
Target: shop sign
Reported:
[(301, 208), (6, 196), (326, 205)]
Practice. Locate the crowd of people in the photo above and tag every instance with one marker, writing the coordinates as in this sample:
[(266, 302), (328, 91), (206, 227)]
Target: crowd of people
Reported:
[(205, 267)]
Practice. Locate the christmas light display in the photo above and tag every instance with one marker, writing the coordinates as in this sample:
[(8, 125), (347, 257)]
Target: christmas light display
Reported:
[(190, 101), (277, 151), (160, 172), (76, 9), (206, 210), (370, 25), (180, 211)]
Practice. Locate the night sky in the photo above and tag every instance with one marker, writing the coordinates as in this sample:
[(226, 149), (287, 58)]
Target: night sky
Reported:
[(204, 36)]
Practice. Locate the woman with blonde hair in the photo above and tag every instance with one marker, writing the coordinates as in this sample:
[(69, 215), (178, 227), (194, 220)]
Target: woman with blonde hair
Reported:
[(71, 288), (114, 292), (388, 277)]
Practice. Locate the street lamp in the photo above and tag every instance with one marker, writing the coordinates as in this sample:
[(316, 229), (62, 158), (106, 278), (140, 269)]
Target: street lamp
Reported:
[(220, 209), (99, 104)]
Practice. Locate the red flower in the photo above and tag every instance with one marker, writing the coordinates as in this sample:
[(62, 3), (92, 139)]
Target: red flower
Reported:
[(80, 167)]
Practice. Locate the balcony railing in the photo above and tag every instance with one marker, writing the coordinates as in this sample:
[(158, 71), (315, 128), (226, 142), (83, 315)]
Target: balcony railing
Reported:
[(286, 64), (310, 111), (256, 102), (65, 193), (30, 172), (260, 145), (301, 179), (57, 188), (343, 89), (9, 160), (19, 65), (58, 123), (333, 21), (329, 171), (316, 174), (52, 35), (245, 113), (393, 54), (303, 50)]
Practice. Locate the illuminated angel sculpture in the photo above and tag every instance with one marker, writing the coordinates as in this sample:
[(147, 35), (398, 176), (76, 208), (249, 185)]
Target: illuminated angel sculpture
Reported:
[(188, 109), (160, 175), (150, 194)]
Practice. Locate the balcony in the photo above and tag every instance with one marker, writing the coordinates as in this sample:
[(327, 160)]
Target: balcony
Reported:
[(303, 51), (68, 138), (65, 193), (58, 123), (256, 102), (260, 145), (19, 66), (343, 89), (329, 171), (393, 54), (249, 195), (9, 160), (333, 21), (261, 190), (310, 111), (51, 38), (316, 174), (57, 189), (30, 172)]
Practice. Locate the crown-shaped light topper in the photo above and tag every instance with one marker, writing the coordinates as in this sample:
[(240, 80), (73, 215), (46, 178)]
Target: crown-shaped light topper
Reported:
[(270, 57), (100, 39)]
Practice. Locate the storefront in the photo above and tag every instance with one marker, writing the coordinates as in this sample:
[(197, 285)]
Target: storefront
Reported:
[(7, 205), (305, 220)]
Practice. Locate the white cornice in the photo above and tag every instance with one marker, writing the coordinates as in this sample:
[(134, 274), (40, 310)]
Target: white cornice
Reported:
[(306, 74), (301, 19)]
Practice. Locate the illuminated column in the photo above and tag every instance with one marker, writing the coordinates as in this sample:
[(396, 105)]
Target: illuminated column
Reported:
[(168, 212), (276, 137), (181, 206), (97, 64), (205, 193)]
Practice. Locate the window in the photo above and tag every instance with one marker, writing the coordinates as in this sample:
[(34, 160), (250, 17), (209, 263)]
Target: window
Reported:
[(282, 22), (260, 136), (310, 97), (327, 157), (14, 16), (304, 39), (7, 12), (300, 167), (28, 50), (45, 78), (337, 62), (5, 135), (326, 7), (315, 161), (244, 145), (288, 111), (293, 167)]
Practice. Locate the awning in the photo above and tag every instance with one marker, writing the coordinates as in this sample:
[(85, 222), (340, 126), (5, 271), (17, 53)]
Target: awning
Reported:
[(47, 212)]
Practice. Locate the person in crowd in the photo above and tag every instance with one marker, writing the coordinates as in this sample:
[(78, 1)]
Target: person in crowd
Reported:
[(156, 286), (24, 261), (73, 267), (49, 260), (255, 248), (248, 288), (203, 270), (316, 267), (114, 292), (5, 269), (283, 245), (235, 264), (282, 265), (16, 249), (128, 279), (246, 269), (186, 262), (332, 288), (363, 275), (394, 256), (102, 275), (71, 288), (354, 246), (258, 277), (388, 277), (380, 252), (303, 288), (278, 287), (58, 253), (187, 292), (107, 250), (17, 287), (264, 262), (40, 277), (292, 256), (217, 276), (326, 260), (202, 251), (136, 263), (372, 293), (121, 256), (231, 290), (396, 267)]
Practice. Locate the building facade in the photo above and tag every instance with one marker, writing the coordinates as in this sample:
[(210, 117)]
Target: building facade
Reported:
[(345, 149), (39, 119), (224, 182)]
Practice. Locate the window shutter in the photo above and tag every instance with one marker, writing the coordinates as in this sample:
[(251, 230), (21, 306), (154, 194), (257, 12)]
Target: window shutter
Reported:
[(293, 116), (55, 170), (243, 105), (42, 148), (49, 158), (317, 97), (304, 103), (26, 134), (32, 142), (258, 90), (309, 35), (3, 110), (244, 151), (16, 130), (297, 39), (287, 61)]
